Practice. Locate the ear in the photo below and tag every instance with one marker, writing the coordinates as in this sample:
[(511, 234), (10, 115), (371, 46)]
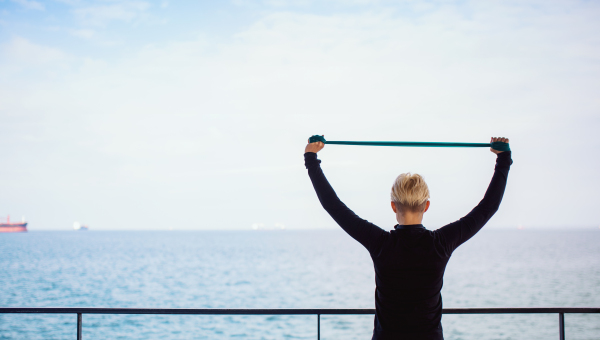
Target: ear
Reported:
[(394, 207), (427, 206)]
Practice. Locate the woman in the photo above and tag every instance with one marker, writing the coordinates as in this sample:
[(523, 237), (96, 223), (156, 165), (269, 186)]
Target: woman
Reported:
[(409, 260)]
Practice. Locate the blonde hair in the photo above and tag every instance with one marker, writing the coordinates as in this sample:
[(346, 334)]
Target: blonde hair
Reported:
[(410, 192)]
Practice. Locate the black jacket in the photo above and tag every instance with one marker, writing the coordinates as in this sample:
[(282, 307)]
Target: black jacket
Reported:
[(410, 260)]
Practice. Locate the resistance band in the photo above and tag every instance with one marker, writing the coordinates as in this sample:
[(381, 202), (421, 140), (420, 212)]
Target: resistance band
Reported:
[(500, 146)]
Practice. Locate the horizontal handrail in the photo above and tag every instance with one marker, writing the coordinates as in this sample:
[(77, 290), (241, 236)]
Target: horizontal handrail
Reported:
[(561, 311), (285, 311)]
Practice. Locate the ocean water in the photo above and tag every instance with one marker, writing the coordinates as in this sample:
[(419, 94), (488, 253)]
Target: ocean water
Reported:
[(283, 269)]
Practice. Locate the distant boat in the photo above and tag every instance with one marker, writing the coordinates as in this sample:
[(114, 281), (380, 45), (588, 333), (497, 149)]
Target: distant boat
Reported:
[(80, 227), (9, 227)]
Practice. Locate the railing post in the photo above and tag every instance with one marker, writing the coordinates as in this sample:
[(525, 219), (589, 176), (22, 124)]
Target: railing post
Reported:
[(79, 321), (318, 326), (561, 326)]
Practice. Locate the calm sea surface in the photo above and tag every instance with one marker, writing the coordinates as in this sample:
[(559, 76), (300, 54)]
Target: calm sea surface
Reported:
[(283, 269)]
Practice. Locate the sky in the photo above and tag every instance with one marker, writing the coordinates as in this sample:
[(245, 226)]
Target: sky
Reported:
[(141, 115)]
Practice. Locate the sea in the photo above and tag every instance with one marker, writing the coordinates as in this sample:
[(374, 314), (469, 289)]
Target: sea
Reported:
[(283, 269)]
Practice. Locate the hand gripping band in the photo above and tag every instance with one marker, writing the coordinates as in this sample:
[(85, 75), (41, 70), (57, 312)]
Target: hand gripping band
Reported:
[(500, 146)]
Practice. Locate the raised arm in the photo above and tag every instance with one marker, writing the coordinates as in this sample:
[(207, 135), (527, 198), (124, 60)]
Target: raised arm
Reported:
[(456, 233), (368, 234)]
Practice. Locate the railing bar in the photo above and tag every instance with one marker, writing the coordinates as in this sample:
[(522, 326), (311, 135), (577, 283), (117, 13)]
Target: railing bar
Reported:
[(210, 311), (79, 324), (284, 311), (561, 325), (318, 326), (528, 310)]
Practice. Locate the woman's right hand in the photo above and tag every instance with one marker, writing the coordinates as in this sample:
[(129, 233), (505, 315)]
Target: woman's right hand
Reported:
[(498, 139)]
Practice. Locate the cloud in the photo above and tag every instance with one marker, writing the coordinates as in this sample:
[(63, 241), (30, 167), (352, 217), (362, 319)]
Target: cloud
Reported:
[(305, 3), (182, 125), (30, 4), (23, 61), (83, 33), (69, 2), (101, 15), (23, 52)]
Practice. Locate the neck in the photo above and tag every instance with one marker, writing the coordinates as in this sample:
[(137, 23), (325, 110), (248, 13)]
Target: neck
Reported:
[(408, 218)]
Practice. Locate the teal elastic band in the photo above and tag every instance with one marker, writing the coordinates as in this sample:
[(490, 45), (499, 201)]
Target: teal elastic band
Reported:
[(500, 146)]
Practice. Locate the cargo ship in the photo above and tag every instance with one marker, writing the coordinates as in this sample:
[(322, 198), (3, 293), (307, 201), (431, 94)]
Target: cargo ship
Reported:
[(10, 227), (80, 227)]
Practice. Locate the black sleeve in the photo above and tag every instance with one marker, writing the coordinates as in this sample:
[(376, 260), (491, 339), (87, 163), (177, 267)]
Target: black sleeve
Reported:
[(365, 232), (456, 233)]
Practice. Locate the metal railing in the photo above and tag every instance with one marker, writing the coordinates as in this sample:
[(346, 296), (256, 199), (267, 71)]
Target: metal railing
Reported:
[(561, 311)]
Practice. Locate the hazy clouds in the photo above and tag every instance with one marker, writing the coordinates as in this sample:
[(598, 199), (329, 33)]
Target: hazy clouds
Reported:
[(117, 116)]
